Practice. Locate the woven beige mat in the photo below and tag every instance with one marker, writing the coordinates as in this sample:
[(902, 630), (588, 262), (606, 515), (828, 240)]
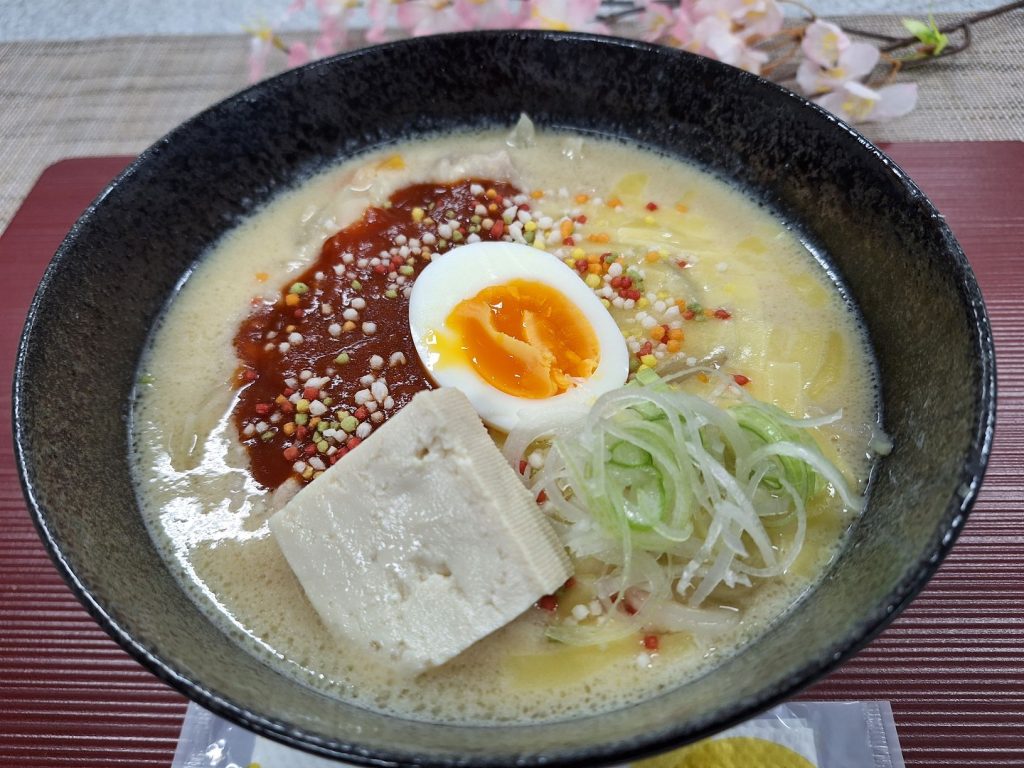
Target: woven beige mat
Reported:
[(117, 96)]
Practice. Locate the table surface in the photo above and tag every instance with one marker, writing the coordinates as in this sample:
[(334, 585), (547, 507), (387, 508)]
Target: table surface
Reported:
[(952, 664)]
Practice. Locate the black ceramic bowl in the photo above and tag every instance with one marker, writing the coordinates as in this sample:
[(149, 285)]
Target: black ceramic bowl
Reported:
[(887, 245)]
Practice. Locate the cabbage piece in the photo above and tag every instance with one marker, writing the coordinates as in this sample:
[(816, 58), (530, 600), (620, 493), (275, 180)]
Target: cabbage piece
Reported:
[(524, 133)]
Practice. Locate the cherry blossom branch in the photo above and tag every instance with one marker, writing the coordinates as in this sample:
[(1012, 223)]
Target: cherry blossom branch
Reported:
[(826, 64), (963, 26)]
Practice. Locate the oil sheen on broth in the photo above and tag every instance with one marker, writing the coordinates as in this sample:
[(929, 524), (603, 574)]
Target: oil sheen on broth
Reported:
[(788, 331)]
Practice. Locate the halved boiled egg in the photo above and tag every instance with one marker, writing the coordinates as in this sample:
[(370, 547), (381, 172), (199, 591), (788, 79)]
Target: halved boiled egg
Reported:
[(517, 331)]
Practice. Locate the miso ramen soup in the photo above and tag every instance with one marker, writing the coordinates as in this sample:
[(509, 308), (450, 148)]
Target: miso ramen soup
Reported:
[(290, 346)]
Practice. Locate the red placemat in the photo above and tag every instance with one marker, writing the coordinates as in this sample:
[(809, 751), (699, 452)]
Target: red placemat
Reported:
[(952, 664)]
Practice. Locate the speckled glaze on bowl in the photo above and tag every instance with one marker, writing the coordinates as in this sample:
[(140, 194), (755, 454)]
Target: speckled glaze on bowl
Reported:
[(888, 247)]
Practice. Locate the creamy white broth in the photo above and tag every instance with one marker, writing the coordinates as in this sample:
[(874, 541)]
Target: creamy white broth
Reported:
[(789, 333)]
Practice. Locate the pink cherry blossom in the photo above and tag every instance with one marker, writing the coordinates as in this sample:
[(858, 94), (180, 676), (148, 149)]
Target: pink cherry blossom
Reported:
[(856, 103), (656, 21), (713, 36), (761, 18), (325, 45), (752, 60), (331, 17), (680, 32), (855, 62), (705, 8), (298, 54), (566, 15), (823, 43), (500, 14), (425, 17), (380, 15), (428, 17), (259, 51)]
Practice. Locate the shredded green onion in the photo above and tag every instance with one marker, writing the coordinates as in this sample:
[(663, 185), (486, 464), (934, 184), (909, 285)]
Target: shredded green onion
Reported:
[(673, 493), (765, 423)]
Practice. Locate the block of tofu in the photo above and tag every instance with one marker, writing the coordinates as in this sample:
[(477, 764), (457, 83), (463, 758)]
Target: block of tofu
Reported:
[(423, 540)]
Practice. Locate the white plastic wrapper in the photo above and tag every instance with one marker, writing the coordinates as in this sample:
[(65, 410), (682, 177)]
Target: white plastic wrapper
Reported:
[(847, 734)]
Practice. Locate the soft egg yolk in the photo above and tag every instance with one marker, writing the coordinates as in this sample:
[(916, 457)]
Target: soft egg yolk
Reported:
[(523, 337)]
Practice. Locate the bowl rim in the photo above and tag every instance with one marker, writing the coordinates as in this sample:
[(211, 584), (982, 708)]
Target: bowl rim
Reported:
[(948, 527)]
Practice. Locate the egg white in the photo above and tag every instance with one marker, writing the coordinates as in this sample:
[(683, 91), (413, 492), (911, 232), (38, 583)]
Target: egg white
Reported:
[(464, 272)]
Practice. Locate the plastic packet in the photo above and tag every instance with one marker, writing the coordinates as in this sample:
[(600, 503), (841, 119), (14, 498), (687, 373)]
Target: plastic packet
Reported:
[(842, 734)]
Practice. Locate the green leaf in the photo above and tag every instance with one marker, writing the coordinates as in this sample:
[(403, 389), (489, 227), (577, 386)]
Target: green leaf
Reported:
[(934, 40), (940, 39), (917, 28)]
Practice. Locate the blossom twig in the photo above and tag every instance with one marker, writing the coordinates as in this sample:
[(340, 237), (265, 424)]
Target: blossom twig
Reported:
[(963, 26), (751, 34)]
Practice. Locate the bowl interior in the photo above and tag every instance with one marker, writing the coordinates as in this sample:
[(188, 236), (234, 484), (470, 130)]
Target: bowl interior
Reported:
[(124, 258)]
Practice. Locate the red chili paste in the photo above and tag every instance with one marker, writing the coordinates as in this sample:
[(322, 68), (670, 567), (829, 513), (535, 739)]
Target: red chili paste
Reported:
[(333, 357)]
